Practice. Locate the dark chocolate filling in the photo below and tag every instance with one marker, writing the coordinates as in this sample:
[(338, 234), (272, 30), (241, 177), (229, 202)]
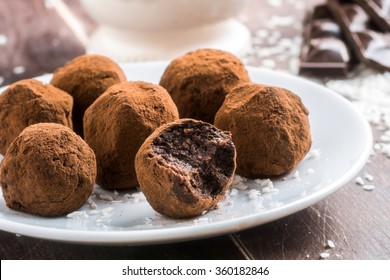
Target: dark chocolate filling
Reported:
[(200, 155)]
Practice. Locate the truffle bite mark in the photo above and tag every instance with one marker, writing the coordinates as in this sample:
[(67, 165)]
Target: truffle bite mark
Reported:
[(189, 165)]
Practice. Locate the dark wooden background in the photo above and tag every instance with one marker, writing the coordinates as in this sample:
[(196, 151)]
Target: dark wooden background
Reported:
[(357, 221)]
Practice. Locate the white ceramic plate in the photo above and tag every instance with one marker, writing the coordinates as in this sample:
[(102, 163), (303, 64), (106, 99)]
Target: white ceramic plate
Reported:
[(341, 144)]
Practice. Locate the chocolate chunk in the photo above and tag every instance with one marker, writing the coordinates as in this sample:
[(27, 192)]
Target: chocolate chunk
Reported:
[(379, 12), (185, 167), (324, 52), (368, 41)]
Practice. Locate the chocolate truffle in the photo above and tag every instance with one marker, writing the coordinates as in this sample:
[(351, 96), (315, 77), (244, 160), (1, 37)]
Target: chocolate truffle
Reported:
[(185, 167), (48, 170), (28, 102), (269, 126), (117, 124), (85, 78), (199, 81)]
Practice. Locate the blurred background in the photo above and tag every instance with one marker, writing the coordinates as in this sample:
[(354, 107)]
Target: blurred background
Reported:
[(38, 36)]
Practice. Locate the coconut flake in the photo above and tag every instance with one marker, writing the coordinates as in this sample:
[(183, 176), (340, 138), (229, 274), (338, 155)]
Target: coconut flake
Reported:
[(313, 154), (106, 197), (203, 220), (91, 203), (330, 244), (3, 39), (19, 70), (359, 181), (233, 192), (254, 194), (310, 171), (369, 177), (78, 215), (368, 187), (324, 255)]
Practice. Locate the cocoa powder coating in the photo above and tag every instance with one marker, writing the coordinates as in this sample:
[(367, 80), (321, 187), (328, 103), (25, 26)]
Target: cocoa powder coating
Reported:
[(117, 124), (199, 81), (185, 167), (85, 78), (269, 126), (48, 170), (28, 102)]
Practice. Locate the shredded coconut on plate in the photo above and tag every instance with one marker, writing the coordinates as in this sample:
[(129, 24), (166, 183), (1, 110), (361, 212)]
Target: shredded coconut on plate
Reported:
[(106, 197), (78, 215), (359, 181)]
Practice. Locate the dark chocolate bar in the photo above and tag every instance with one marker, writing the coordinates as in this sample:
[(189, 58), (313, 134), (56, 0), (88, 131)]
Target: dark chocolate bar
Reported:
[(379, 12), (324, 52), (367, 40)]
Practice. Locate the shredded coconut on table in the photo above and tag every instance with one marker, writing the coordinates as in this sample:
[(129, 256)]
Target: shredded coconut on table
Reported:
[(369, 177), (369, 92), (359, 181), (19, 70), (330, 244), (324, 255), (3, 39), (368, 187)]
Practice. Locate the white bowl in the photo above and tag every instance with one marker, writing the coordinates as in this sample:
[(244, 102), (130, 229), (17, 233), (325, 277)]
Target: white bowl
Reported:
[(158, 15), (139, 30)]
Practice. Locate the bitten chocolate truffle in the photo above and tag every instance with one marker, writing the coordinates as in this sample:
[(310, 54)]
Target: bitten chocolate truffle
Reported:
[(199, 81), (85, 78), (29, 102), (48, 170), (269, 126), (118, 123), (185, 167)]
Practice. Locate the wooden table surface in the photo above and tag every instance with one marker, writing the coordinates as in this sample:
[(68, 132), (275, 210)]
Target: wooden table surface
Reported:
[(34, 39)]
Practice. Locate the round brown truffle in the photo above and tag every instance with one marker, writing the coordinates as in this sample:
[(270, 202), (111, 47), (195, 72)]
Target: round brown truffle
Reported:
[(269, 126), (85, 78), (29, 102), (199, 81), (48, 170), (185, 167), (118, 123)]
